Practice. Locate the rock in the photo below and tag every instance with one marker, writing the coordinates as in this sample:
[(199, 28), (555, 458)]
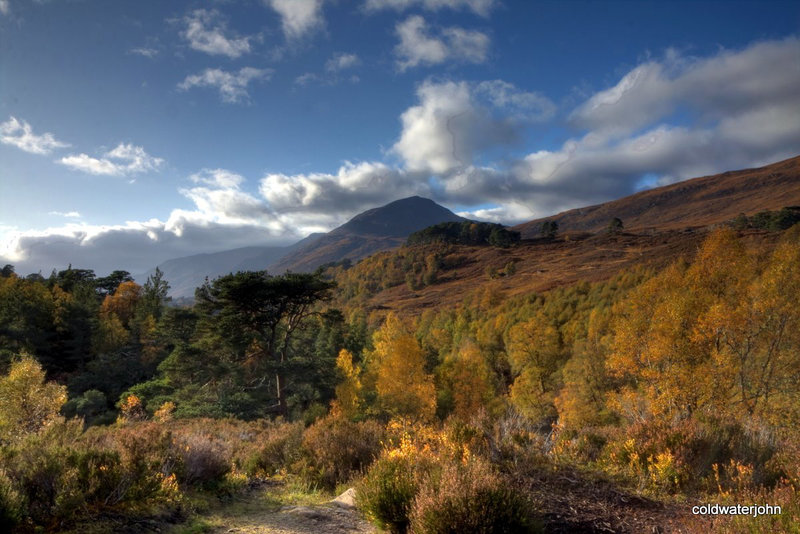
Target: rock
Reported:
[(346, 499)]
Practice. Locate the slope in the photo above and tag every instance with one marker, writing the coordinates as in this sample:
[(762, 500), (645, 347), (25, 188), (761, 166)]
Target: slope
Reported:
[(369, 232), (692, 203)]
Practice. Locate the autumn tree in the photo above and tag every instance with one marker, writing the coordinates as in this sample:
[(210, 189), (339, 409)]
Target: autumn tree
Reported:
[(470, 383), (536, 354), (348, 391), (403, 386), (27, 401), (582, 401)]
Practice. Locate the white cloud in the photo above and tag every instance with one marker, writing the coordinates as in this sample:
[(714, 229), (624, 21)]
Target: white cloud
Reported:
[(5, 7), (418, 46), (20, 134), (145, 51), (356, 186), (205, 32), (298, 17), (218, 177), (124, 160), (232, 86), (67, 214), (479, 7), (715, 87), (342, 61), (455, 121), (224, 217)]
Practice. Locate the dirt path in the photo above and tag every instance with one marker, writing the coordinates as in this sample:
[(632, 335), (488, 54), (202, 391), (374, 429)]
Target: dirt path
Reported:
[(322, 519), (260, 516)]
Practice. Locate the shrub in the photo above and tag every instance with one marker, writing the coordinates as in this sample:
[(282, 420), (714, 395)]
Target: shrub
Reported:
[(388, 490), (280, 449), (205, 460), (334, 449), (11, 507), (469, 498)]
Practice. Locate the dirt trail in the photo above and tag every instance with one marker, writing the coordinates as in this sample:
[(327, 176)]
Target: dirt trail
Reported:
[(321, 519), (338, 516)]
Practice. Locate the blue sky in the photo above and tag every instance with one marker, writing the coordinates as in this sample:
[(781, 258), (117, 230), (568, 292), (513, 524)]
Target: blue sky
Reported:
[(135, 132)]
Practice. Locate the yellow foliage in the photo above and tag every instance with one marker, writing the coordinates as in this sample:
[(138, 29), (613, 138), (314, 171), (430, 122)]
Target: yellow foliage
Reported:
[(470, 380), (165, 412), (131, 409), (27, 401), (402, 385), (123, 302), (348, 392)]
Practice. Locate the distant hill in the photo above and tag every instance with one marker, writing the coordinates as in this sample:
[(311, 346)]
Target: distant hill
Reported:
[(372, 231), (692, 203), (368, 232), (189, 272)]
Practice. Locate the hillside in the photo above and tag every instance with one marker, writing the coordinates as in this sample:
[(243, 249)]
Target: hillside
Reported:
[(661, 225), (367, 233), (692, 203)]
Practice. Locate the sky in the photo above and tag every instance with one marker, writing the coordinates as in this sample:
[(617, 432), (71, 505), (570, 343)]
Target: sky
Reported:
[(132, 132)]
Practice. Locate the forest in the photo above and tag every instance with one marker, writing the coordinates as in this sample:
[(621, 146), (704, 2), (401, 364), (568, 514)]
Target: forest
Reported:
[(673, 386)]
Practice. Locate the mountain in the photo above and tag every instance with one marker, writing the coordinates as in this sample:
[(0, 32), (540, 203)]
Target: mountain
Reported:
[(692, 203), (368, 232), (187, 273)]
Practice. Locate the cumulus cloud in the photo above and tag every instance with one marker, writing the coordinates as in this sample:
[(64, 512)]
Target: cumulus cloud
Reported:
[(455, 121), (298, 17), (354, 187), (342, 61), (479, 7), (224, 217), (124, 160), (20, 134), (205, 32), (419, 46), (232, 86)]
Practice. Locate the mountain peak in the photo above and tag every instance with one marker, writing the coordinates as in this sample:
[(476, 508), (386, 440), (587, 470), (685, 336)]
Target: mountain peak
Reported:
[(398, 218)]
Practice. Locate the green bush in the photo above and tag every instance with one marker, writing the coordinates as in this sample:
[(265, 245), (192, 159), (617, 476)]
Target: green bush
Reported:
[(388, 490), (470, 498), (11, 506), (334, 449)]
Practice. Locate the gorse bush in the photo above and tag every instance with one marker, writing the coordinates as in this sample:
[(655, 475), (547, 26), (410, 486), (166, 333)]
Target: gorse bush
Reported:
[(470, 497)]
